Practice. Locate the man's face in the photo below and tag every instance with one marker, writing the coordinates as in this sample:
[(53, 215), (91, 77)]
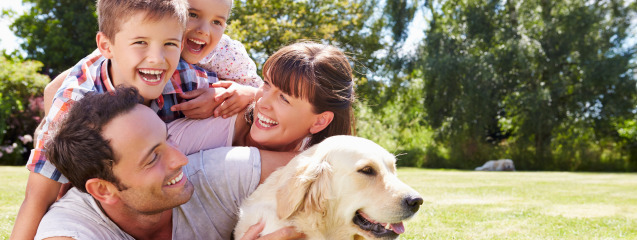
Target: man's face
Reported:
[(149, 168)]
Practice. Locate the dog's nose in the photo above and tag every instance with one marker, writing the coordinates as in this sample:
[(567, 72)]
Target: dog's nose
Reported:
[(413, 203)]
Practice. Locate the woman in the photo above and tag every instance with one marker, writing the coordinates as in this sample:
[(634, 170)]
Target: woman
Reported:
[(306, 97)]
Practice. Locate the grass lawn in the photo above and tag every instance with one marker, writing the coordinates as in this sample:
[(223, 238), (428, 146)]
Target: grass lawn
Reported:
[(479, 205)]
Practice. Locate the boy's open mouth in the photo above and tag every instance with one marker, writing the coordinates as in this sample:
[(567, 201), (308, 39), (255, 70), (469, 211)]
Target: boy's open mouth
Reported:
[(195, 45), (151, 76)]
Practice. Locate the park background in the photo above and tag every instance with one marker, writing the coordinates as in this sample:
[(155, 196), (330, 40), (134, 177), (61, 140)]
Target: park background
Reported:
[(441, 84), (444, 85)]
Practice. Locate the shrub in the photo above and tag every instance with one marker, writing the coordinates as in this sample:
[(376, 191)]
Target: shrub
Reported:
[(21, 88)]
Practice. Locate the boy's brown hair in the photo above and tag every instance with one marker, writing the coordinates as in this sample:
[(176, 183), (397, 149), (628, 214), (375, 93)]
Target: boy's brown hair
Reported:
[(112, 13)]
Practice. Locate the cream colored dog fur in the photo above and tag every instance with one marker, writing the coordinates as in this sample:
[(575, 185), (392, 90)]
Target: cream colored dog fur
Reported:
[(343, 188)]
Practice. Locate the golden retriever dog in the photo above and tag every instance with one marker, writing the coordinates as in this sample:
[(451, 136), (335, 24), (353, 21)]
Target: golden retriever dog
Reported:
[(497, 165), (342, 188)]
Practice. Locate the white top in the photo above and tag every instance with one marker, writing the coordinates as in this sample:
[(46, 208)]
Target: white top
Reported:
[(192, 135)]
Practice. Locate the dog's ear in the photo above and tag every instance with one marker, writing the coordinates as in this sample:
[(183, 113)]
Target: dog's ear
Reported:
[(308, 188)]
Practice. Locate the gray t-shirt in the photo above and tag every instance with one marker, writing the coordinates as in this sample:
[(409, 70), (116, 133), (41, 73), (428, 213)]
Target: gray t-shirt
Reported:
[(222, 178)]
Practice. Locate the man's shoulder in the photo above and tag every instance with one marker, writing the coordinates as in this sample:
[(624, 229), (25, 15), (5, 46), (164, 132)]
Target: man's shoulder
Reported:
[(78, 216)]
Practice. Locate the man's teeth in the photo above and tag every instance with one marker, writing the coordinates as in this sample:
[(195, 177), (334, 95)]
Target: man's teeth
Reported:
[(266, 122), (197, 41), (175, 180)]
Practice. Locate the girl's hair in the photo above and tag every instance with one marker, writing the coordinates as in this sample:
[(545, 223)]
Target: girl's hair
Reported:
[(320, 74)]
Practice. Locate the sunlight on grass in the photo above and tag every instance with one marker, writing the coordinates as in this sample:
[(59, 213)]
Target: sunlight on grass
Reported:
[(479, 205), (522, 205), (14, 181)]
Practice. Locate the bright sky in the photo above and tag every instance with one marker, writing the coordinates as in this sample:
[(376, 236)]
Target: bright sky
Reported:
[(7, 39)]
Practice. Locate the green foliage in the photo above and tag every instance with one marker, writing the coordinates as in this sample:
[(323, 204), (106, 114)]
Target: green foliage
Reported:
[(538, 81), (265, 26), (20, 86), (398, 126), (549, 84), (57, 32)]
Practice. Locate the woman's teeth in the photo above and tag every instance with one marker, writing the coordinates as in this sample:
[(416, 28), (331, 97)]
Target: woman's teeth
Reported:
[(266, 122), (176, 179)]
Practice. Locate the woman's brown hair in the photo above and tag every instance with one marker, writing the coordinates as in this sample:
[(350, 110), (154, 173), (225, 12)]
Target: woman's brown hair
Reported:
[(320, 74)]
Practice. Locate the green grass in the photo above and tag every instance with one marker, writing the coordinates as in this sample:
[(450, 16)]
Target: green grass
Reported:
[(14, 181), (479, 205), (522, 205)]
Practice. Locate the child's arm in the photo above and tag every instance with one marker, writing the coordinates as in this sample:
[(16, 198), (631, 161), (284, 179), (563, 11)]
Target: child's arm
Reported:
[(52, 88), (40, 194), (41, 191), (235, 99), (201, 105)]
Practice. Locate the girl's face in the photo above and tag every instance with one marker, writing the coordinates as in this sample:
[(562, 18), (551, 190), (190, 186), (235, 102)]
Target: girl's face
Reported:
[(281, 121), (206, 24)]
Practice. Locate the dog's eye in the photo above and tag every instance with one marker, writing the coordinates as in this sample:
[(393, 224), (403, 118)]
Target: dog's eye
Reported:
[(367, 171)]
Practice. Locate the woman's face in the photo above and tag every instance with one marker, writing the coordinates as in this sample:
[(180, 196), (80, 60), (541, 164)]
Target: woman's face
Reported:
[(281, 121)]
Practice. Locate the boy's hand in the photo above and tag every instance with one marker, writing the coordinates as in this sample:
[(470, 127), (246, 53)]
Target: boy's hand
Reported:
[(202, 104), (284, 233), (235, 99)]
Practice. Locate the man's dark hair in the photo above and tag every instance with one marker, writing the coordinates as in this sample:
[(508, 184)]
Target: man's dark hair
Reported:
[(77, 148)]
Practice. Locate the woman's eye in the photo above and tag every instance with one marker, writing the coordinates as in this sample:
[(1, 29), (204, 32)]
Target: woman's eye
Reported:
[(284, 98), (215, 22), (140, 42), (192, 15)]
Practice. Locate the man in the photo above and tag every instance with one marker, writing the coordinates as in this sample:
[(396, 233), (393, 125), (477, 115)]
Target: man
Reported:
[(131, 183)]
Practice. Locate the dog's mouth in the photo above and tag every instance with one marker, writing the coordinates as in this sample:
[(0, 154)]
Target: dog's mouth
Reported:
[(379, 230)]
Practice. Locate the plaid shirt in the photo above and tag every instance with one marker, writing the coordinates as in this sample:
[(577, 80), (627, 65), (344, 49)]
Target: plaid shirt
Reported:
[(91, 75)]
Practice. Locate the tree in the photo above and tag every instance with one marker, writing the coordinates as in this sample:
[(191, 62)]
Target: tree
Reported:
[(57, 33), (516, 73), (265, 26)]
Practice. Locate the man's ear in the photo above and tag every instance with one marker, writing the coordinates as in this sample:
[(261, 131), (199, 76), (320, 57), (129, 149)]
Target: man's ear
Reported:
[(322, 121), (102, 190), (104, 45)]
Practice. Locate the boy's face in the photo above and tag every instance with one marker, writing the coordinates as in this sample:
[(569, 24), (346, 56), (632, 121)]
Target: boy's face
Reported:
[(206, 23), (148, 165), (144, 54)]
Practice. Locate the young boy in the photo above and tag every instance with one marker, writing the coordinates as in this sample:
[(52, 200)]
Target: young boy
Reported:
[(207, 46), (141, 43)]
